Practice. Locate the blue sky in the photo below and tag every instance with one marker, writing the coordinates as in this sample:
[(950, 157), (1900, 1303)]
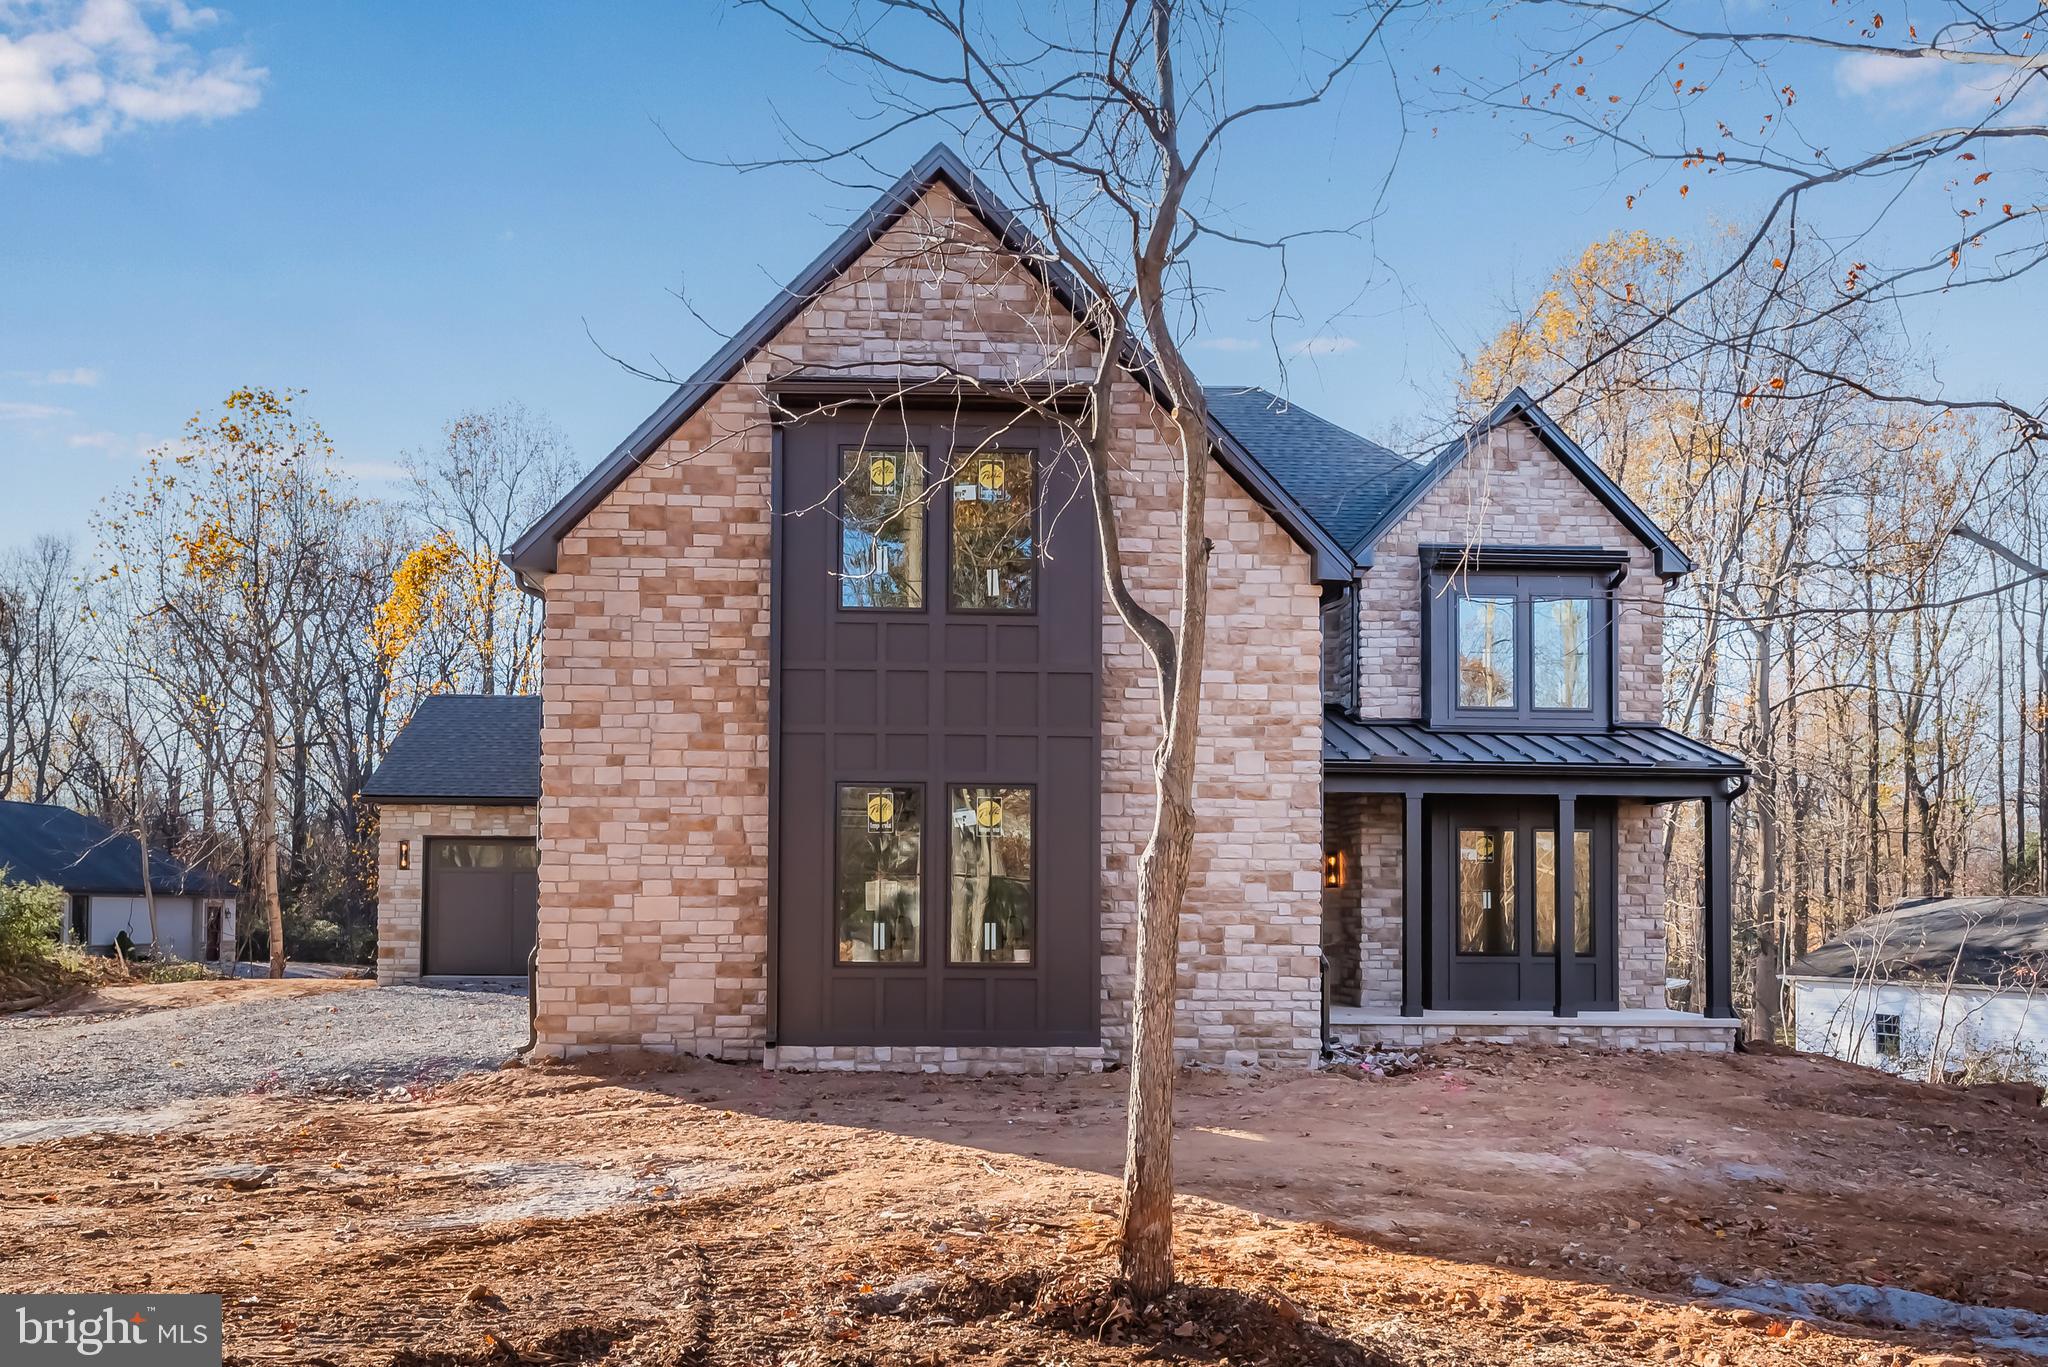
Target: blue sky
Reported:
[(413, 210)]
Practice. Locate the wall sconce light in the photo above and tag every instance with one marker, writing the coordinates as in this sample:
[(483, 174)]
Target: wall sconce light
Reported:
[(1333, 869), (405, 854)]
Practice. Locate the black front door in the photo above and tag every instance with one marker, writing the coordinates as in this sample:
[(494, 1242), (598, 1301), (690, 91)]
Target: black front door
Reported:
[(1492, 894), (938, 739)]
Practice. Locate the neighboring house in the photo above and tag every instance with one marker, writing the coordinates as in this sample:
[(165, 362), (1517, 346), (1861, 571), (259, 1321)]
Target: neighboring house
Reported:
[(836, 774), (100, 871), (1960, 979)]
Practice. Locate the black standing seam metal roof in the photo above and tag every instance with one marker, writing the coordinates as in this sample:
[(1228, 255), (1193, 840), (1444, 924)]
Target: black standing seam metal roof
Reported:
[(534, 551), (1985, 941), (1396, 745), (44, 843), (464, 747)]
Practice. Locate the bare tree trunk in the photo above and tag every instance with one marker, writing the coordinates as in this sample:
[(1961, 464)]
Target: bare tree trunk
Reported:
[(266, 831), (2004, 827)]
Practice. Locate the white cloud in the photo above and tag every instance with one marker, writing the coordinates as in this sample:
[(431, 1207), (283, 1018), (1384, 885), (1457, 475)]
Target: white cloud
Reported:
[(1927, 86), (1324, 346), (30, 412), (75, 72), (83, 376), (1868, 73)]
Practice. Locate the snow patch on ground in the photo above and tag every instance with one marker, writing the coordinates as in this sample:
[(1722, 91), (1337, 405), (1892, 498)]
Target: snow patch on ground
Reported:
[(1888, 1307)]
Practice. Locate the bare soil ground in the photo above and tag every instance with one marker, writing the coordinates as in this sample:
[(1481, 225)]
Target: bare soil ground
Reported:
[(1526, 1206)]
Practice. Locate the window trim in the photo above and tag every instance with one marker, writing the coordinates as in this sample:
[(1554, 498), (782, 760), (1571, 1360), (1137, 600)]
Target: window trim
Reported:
[(1037, 918), (1033, 454), (1528, 574), (838, 562)]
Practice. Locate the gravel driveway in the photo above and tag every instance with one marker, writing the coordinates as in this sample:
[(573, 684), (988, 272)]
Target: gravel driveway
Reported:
[(352, 1042)]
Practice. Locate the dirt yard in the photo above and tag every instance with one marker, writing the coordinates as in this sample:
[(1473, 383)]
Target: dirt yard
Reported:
[(1492, 1207)]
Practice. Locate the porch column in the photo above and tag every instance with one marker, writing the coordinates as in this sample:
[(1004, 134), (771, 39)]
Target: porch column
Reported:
[(1718, 921), (1412, 920), (1567, 888)]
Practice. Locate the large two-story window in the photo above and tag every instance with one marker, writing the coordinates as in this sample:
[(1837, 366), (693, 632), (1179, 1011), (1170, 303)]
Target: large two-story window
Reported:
[(1515, 640)]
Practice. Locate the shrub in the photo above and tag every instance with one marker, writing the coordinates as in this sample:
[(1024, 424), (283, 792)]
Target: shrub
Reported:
[(31, 919)]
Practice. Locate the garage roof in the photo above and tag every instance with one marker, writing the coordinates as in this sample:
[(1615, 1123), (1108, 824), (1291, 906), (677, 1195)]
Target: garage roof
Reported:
[(44, 843), (464, 747), (1989, 941)]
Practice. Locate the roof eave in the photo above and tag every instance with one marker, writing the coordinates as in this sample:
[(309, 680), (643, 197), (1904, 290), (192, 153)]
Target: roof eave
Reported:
[(1671, 562)]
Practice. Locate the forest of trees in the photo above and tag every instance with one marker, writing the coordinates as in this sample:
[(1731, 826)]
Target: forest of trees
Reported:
[(225, 662)]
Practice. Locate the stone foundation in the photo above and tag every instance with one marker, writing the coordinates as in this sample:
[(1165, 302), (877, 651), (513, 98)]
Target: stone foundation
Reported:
[(1648, 1031), (966, 1062)]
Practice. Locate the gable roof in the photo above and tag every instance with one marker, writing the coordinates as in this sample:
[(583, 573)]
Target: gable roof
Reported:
[(1671, 561), (1984, 940), (534, 551), (464, 747), (44, 843), (1346, 482)]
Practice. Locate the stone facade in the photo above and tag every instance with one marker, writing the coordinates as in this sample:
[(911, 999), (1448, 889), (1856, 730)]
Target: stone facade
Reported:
[(1669, 1034), (1509, 490), (655, 727), (400, 891)]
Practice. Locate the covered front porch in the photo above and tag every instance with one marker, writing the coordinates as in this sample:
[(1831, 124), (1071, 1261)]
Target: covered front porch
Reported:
[(1458, 862)]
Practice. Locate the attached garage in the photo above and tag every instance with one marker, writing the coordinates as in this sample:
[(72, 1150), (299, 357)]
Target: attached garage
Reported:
[(458, 867)]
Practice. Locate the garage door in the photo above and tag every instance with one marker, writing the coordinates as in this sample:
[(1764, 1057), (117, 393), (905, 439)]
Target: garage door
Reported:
[(482, 900)]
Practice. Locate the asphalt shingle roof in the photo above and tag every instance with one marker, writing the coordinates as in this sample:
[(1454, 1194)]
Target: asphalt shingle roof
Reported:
[(1987, 941), (1345, 482), (463, 747), (43, 843)]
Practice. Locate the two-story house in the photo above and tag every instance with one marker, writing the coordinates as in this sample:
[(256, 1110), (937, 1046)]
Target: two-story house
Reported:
[(843, 757)]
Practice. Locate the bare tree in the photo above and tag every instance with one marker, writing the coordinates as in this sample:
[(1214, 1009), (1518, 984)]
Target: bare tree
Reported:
[(1106, 129), (494, 474)]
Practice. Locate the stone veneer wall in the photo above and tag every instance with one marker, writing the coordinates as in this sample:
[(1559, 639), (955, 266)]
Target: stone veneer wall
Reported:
[(400, 891), (1640, 964), (654, 820), (1509, 490)]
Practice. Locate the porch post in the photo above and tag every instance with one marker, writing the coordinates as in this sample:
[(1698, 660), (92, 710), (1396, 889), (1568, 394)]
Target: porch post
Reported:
[(1719, 922), (1412, 920), (1567, 888)]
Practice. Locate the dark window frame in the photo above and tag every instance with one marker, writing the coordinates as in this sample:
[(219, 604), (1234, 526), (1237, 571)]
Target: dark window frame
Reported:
[(1888, 1031), (1528, 575), (924, 861), (1004, 966), (922, 502), (953, 469)]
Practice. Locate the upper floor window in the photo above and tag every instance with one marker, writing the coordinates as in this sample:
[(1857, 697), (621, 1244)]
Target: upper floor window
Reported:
[(881, 528), (1515, 644), (994, 558)]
